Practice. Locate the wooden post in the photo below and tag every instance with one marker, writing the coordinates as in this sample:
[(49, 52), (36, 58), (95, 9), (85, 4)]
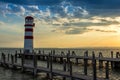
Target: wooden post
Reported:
[(20, 51), (94, 67), (48, 62), (35, 64), (23, 61), (107, 70), (73, 53), (112, 64), (12, 59), (54, 58), (64, 68), (39, 52), (77, 62), (85, 62), (43, 52), (48, 58), (8, 57), (68, 61), (61, 59), (71, 70), (100, 61), (51, 75), (62, 54), (16, 58), (4, 59), (111, 54), (117, 54)]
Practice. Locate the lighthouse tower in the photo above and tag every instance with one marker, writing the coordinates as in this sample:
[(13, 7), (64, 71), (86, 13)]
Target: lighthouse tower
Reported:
[(28, 38)]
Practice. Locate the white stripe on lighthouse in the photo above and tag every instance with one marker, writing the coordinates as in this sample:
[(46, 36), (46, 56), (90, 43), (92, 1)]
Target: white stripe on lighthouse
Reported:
[(28, 33)]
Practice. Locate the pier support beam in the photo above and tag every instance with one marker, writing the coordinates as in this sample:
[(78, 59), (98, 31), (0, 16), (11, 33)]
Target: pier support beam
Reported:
[(112, 63), (64, 68), (107, 70), (94, 67), (85, 62), (51, 74), (100, 61), (22, 62), (35, 64)]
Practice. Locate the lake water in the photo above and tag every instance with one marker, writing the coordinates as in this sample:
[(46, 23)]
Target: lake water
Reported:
[(7, 74)]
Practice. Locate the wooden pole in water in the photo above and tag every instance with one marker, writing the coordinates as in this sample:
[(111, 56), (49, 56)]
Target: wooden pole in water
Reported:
[(77, 61), (100, 61), (12, 59), (51, 75), (35, 63), (71, 70), (94, 66), (64, 68), (107, 70), (68, 61), (39, 52), (85, 62), (16, 58), (112, 65), (4, 60), (8, 56), (23, 61), (48, 64), (117, 54)]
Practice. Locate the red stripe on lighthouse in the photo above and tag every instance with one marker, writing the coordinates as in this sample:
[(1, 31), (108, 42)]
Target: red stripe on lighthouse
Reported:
[(29, 29), (29, 25), (28, 37)]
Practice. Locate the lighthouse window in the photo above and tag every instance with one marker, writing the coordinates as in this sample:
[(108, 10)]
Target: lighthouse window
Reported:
[(26, 20)]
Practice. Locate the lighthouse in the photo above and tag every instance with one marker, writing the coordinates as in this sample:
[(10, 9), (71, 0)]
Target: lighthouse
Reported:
[(28, 38)]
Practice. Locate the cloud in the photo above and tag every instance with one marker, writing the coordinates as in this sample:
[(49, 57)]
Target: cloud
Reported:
[(2, 23), (71, 30), (71, 16), (98, 4), (83, 22), (91, 4), (80, 30), (33, 2), (76, 31), (76, 8), (11, 9), (100, 30)]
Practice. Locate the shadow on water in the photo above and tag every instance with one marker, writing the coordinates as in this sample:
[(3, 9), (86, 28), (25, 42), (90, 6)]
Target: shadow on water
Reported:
[(7, 74)]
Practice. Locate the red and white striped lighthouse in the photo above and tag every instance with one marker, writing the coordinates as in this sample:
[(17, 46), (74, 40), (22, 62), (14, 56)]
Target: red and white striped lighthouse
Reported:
[(28, 38)]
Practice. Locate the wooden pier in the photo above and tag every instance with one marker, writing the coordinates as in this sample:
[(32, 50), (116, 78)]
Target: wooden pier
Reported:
[(11, 61)]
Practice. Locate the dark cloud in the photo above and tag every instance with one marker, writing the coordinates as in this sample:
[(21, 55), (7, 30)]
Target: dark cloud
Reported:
[(98, 4), (103, 22), (92, 4), (76, 31), (79, 30), (71, 30), (33, 2), (99, 30)]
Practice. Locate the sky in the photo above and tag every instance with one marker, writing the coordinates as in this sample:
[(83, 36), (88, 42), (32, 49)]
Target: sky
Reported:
[(61, 23)]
